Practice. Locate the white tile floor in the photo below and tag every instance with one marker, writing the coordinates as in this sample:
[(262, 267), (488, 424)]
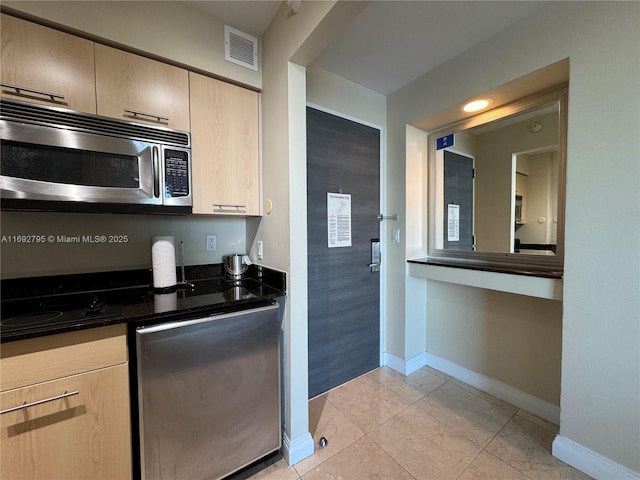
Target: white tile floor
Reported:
[(426, 426)]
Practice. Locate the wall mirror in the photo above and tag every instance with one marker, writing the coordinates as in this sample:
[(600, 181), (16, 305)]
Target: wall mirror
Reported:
[(497, 183)]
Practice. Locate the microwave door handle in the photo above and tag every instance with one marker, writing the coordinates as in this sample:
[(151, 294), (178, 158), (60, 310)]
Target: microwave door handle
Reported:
[(156, 172)]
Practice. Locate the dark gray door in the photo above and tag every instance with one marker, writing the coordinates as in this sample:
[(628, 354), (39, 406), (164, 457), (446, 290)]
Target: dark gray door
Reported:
[(458, 192), (343, 157)]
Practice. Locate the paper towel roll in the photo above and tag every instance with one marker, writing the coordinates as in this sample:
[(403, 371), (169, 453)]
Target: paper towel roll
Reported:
[(165, 302), (163, 261)]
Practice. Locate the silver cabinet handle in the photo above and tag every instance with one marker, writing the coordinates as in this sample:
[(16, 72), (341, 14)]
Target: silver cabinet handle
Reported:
[(53, 96), (229, 205), (136, 113), (64, 394)]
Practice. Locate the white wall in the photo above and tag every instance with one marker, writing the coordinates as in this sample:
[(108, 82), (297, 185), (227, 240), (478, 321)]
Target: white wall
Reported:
[(413, 229), (284, 96), (493, 189), (342, 96), (292, 38), (601, 323), (511, 338), (600, 373)]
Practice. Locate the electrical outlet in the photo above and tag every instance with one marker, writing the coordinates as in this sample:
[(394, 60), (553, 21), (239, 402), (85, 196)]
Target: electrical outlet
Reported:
[(259, 249), (211, 243)]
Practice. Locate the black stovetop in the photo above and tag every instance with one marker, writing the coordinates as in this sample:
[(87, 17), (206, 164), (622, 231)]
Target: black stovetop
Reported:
[(47, 305)]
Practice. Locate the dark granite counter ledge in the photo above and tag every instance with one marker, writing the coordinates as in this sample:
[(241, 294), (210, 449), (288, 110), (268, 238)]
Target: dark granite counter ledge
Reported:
[(127, 297), (514, 270)]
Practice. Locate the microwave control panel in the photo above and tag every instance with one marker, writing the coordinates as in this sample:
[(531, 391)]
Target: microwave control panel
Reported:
[(176, 173)]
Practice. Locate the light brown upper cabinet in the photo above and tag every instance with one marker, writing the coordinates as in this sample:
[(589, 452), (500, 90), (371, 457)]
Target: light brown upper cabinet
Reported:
[(43, 65), (225, 144), (135, 88)]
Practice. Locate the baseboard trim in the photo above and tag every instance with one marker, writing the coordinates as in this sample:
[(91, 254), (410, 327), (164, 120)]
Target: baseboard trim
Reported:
[(498, 389), (399, 365), (395, 363), (590, 462), (298, 449)]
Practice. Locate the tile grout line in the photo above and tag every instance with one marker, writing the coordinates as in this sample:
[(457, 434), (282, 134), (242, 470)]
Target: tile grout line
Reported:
[(444, 381), (394, 385), (383, 386), (389, 453), (484, 448), (410, 403), (422, 397), (366, 434), (326, 394), (470, 463)]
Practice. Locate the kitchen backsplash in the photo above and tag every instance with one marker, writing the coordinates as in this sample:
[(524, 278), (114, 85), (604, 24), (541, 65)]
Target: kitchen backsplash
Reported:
[(35, 243)]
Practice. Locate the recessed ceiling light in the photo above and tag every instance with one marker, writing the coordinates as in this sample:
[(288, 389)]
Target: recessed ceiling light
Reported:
[(477, 105)]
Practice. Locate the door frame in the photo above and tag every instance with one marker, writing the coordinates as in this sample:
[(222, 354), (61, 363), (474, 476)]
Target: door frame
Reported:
[(383, 239)]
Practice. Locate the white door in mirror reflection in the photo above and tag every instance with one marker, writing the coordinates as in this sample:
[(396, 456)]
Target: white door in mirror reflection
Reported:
[(536, 174), (458, 196)]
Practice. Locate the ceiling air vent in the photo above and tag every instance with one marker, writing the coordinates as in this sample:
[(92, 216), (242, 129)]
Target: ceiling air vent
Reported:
[(240, 48)]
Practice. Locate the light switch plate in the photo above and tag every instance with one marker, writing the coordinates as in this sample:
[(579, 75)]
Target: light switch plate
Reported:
[(395, 235)]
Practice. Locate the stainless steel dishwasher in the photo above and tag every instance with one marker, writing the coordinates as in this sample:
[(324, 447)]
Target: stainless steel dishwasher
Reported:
[(208, 394)]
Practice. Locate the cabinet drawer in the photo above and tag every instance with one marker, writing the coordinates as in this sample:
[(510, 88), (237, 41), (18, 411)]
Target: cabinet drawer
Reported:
[(35, 360), (84, 435)]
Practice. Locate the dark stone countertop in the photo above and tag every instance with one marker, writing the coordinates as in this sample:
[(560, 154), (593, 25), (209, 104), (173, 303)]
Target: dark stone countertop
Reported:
[(489, 267), (39, 306)]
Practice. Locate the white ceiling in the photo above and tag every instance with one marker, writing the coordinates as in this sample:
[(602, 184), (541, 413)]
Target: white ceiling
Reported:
[(391, 42), (249, 16)]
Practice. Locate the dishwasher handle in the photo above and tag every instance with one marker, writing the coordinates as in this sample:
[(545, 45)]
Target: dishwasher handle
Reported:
[(160, 327)]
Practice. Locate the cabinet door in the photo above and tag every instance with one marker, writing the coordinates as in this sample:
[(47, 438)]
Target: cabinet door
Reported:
[(224, 137), (84, 435), (135, 88), (53, 68)]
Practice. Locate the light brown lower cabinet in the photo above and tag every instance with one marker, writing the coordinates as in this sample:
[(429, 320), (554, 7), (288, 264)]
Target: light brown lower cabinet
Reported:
[(74, 427)]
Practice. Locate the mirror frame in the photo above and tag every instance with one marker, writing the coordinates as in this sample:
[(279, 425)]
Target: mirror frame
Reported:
[(541, 265)]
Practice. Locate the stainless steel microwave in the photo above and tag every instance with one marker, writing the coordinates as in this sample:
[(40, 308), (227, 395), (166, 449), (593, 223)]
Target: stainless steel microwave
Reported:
[(61, 160)]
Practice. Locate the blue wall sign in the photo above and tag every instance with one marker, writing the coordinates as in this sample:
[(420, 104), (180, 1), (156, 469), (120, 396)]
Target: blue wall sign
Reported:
[(444, 142)]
